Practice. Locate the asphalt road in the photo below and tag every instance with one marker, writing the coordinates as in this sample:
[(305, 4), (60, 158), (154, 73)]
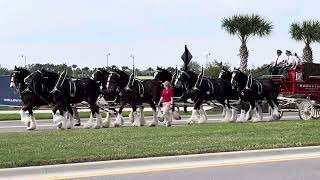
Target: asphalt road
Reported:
[(43, 125), (302, 169)]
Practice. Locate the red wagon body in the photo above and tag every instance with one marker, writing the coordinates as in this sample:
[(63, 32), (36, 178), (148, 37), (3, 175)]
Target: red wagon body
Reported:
[(302, 88)]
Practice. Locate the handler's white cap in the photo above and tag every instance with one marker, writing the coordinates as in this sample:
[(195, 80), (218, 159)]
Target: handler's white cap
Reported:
[(166, 83)]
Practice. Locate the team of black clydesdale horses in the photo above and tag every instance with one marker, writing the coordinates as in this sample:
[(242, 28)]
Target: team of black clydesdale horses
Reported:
[(117, 88)]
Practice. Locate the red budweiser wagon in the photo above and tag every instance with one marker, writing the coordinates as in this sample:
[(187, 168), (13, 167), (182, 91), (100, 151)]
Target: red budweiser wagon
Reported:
[(300, 90)]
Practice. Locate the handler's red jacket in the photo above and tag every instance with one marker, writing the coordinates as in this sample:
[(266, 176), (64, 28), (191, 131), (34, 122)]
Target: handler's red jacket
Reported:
[(167, 94)]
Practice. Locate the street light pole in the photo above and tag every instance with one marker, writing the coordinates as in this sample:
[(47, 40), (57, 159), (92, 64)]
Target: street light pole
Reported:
[(25, 60), (207, 57), (108, 54), (132, 56)]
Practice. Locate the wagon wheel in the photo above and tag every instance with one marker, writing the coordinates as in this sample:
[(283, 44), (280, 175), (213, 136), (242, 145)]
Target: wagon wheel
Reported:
[(305, 110)]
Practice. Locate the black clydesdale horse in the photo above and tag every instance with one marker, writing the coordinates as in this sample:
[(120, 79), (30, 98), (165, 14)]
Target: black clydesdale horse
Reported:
[(165, 75), (186, 80), (111, 83), (101, 76), (134, 93), (28, 97), (227, 75), (73, 91), (42, 82), (210, 89), (254, 90)]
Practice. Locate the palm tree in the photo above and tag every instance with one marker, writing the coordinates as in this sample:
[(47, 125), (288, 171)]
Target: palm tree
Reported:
[(246, 26), (308, 32)]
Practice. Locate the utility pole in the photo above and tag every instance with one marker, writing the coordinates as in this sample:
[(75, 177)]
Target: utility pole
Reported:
[(207, 57), (132, 56), (25, 60), (108, 54)]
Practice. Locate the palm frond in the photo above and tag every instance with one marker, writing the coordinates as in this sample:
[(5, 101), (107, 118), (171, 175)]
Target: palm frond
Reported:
[(307, 31), (247, 25)]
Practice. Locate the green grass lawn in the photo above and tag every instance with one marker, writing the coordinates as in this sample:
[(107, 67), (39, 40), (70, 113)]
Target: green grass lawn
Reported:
[(16, 116), (80, 145)]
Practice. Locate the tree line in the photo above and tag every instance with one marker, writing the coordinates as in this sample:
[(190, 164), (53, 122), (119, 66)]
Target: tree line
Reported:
[(211, 69)]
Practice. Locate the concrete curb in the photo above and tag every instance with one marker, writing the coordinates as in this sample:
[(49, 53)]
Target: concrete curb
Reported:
[(78, 168)]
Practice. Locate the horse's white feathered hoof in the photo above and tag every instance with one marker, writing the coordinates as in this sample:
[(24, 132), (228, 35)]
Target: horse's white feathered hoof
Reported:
[(59, 125), (276, 115), (256, 119), (194, 117), (152, 125), (131, 117), (233, 117), (119, 121), (168, 123), (87, 125), (223, 112), (136, 120), (154, 122), (98, 123), (25, 117), (228, 115), (203, 117), (96, 126), (77, 122), (60, 121), (242, 116), (69, 125), (176, 115), (105, 124), (32, 126)]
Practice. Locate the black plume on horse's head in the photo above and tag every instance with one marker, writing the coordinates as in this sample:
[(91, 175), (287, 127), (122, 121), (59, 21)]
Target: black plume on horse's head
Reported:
[(159, 68)]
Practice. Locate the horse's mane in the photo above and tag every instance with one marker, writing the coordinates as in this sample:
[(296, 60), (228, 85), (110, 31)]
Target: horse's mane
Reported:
[(121, 73), (191, 73), (49, 73), (22, 70), (161, 69), (242, 77), (104, 70)]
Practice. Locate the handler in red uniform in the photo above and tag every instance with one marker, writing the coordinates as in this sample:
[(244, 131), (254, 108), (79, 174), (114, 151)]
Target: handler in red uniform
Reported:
[(167, 99)]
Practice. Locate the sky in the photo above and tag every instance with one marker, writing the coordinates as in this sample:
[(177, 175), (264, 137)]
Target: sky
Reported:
[(83, 32)]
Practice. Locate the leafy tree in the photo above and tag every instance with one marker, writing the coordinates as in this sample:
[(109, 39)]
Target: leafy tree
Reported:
[(213, 69), (308, 32), (194, 66), (4, 71), (245, 27), (261, 70), (85, 72)]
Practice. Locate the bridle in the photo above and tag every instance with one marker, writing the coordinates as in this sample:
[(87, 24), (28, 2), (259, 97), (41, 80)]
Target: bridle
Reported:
[(109, 79)]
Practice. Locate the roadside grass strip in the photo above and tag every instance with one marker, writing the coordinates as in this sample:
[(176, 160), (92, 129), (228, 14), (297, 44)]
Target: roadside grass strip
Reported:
[(83, 145), (38, 116)]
